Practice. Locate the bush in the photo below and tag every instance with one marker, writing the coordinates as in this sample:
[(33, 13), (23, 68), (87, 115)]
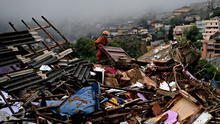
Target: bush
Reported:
[(134, 48), (208, 71), (216, 12), (193, 34), (198, 44), (85, 48)]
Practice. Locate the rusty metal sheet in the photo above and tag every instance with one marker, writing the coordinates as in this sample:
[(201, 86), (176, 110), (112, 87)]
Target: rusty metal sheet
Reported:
[(117, 54), (160, 53)]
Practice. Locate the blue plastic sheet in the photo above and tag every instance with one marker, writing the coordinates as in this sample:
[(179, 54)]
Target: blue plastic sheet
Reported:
[(214, 83), (84, 101)]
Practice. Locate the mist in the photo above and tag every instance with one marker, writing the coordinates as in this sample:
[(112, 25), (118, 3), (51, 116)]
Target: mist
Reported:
[(77, 18)]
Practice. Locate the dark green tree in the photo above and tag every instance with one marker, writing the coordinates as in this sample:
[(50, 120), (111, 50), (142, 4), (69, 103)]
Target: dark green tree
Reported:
[(161, 34), (176, 21), (170, 34), (198, 44), (192, 34), (216, 12), (85, 48), (208, 70), (135, 48)]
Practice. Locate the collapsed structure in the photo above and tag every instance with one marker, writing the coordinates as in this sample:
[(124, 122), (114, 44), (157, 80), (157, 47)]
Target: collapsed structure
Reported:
[(51, 86)]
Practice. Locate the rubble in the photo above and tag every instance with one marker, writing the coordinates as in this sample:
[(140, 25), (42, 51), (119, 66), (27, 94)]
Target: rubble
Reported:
[(51, 86), (119, 57)]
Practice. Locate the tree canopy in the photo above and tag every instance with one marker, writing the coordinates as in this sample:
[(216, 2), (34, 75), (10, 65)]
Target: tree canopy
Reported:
[(216, 12), (135, 48), (203, 69), (176, 21), (85, 48), (170, 34), (193, 34)]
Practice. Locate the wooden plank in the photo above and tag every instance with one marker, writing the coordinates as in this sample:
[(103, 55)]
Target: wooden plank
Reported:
[(116, 54)]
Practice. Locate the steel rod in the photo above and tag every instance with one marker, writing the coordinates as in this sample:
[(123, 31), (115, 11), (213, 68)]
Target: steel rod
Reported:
[(28, 27), (67, 41), (47, 33), (12, 25), (30, 47)]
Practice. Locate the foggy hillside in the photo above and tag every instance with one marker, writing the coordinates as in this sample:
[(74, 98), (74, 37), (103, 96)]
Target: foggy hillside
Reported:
[(77, 18)]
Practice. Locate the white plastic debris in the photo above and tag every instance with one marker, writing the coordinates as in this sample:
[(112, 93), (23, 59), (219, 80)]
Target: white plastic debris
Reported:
[(92, 73), (173, 86), (114, 90), (157, 56), (45, 68), (65, 97), (125, 122), (164, 86), (138, 84), (98, 69), (168, 86), (156, 51), (203, 118)]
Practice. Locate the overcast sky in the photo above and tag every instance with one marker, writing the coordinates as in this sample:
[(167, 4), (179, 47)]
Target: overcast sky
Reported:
[(83, 11), (84, 8)]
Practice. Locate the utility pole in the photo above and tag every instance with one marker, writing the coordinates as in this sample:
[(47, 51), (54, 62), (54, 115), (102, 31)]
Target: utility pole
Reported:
[(209, 7)]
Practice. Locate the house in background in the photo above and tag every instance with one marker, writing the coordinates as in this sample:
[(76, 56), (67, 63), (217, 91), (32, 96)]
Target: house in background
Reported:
[(211, 27), (201, 26), (178, 31), (182, 10), (212, 46)]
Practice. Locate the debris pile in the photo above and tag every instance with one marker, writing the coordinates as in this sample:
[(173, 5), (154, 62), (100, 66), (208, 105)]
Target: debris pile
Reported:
[(54, 87)]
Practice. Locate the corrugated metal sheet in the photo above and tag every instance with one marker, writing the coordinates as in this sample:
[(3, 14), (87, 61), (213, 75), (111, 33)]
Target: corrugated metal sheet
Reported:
[(10, 45), (117, 54), (48, 57), (8, 56), (79, 69), (45, 61), (19, 38), (160, 53), (20, 80), (53, 75)]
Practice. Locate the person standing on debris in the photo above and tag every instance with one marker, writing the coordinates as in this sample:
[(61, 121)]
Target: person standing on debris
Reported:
[(100, 43)]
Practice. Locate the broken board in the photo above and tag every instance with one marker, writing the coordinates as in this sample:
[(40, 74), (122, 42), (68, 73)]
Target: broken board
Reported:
[(117, 54)]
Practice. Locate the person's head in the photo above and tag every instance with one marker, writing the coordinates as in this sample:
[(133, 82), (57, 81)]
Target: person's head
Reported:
[(105, 33)]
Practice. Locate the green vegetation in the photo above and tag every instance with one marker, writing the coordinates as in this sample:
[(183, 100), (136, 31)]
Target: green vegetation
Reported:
[(198, 44), (216, 12), (201, 69), (85, 47), (192, 34), (209, 70), (205, 70), (176, 21), (134, 48), (170, 34), (160, 34)]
